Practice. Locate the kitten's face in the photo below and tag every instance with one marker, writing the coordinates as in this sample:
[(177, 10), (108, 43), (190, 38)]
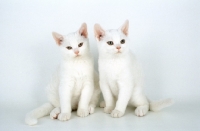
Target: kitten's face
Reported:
[(112, 42), (75, 44)]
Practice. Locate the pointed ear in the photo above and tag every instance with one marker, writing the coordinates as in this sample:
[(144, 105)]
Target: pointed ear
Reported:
[(57, 37), (98, 31), (125, 27), (83, 30)]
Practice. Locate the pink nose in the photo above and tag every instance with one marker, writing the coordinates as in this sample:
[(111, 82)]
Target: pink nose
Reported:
[(118, 47), (76, 52)]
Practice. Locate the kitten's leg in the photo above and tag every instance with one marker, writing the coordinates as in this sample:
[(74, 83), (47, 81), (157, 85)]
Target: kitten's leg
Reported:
[(54, 113), (94, 100), (96, 94), (125, 91), (141, 103), (108, 97), (65, 93), (85, 98)]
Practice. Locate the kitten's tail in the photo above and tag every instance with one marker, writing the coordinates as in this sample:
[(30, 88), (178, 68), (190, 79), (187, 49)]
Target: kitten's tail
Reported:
[(31, 117), (158, 105)]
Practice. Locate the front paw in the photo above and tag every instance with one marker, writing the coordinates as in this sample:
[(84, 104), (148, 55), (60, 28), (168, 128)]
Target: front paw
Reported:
[(82, 112), (54, 113), (117, 114), (64, 116), (141, 110), (108, 109)]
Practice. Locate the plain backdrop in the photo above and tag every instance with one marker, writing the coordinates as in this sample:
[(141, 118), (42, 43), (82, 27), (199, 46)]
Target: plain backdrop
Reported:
[(165, 36)]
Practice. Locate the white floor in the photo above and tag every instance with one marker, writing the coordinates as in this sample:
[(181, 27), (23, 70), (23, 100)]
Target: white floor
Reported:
[(179, 117)]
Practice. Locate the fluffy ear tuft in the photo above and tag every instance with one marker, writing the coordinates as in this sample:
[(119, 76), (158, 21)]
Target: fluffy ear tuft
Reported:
[(125, 27), (83, 30), (98, 31), (57, 37)]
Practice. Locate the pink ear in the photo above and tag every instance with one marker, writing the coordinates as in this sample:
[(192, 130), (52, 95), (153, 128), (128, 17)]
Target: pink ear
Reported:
[(98, 31), (83, 30), (57, 37), (124, 27)]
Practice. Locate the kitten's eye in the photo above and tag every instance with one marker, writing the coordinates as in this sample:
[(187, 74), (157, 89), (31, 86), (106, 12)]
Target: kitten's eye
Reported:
[(110, 43), (69, 47), (122, 41), (80, 44)]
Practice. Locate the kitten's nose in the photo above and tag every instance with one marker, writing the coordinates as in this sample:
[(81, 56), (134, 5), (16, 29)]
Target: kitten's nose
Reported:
[(76, 51), (118, 47)]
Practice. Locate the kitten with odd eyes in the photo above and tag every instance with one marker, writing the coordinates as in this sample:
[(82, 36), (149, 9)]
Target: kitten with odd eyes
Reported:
[(75, 84), (121, 80)]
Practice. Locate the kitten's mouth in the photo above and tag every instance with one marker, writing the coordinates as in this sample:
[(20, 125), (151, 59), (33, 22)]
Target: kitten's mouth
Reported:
[(118, 51)]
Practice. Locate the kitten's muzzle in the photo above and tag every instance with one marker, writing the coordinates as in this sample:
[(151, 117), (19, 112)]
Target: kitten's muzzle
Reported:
[(118, 47), (76, 51)]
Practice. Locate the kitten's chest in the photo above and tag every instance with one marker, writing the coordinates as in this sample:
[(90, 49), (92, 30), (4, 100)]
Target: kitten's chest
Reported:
[(80, 69), (78, 85), (113, 68)]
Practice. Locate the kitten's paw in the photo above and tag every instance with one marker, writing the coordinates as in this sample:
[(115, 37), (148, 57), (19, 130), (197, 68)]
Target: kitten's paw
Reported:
[(108, 109), (102, 104), (64, 116), (82, 112), (54, 113), (91, 108), (141, 110), (117, 114)]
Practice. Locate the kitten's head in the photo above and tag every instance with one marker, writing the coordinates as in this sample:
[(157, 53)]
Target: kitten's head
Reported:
[(75, 44), (112, 42)]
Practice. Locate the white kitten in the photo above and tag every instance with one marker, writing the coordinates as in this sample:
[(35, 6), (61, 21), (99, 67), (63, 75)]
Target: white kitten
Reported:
[(74, 85), (121, 79)]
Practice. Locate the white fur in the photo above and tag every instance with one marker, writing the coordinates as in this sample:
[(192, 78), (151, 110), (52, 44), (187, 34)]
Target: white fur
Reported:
[(121, 79), (74, 85)]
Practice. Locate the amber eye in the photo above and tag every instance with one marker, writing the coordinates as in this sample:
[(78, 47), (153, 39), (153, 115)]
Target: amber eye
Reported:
[(122, 41), (80, 44), (110, 43), (69, 47)]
